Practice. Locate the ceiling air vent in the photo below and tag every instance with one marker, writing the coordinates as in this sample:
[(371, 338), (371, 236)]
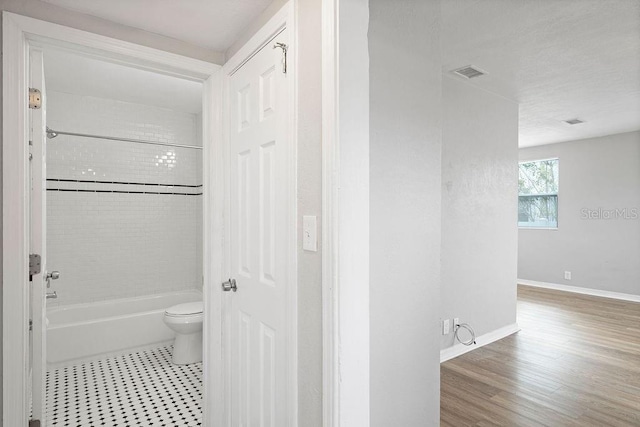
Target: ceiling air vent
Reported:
[(469, 72), (573, 121)]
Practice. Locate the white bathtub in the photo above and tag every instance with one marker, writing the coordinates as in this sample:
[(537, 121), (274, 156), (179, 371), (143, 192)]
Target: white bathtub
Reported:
[(85, 331)]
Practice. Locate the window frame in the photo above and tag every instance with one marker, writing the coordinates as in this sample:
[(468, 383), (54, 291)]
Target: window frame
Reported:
[(557, 195)]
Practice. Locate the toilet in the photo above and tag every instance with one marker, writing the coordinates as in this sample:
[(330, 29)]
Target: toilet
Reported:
[(186, 321)]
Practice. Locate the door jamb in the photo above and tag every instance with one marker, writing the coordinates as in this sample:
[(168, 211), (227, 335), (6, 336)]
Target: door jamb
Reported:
[(330, 226), (284, 18), (17, 33)]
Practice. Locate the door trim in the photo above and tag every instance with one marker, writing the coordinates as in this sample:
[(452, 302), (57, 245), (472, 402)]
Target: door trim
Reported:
[(18, 32), (330, 236), (284, 18)]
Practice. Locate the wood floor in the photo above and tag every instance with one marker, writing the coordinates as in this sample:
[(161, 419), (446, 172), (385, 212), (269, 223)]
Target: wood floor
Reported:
[(576, 362)]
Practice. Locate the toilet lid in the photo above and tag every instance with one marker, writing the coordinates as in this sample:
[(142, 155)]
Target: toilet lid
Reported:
[(185, 309)]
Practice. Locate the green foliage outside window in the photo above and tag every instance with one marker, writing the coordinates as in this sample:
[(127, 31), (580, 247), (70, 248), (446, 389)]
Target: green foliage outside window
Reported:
[(538, 194)]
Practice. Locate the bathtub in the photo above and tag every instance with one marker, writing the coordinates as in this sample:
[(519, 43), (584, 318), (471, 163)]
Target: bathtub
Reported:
[(81, 332)]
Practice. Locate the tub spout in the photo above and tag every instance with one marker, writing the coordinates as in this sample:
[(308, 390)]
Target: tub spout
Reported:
[(52, 295)]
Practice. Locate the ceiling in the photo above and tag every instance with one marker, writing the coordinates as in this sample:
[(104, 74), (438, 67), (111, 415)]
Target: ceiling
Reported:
[(212, 24), (80, 75), (559, 59)]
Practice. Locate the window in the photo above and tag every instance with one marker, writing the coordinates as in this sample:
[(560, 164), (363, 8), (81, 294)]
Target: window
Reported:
[(538, 194)]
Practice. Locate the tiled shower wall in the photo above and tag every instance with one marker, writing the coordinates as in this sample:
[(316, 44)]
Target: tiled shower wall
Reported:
[(113, 239)]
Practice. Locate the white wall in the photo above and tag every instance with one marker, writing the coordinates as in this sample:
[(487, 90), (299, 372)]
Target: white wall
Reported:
[(309, 186), (351, 216), (479, 208), (598, 173), (118, 245), (405, 181)]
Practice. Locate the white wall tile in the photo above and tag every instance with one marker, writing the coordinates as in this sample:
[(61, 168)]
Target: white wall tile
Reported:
[(113, 245)]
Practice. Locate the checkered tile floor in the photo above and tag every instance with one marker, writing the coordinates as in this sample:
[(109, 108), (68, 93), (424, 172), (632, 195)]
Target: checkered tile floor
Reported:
[(139, 389)]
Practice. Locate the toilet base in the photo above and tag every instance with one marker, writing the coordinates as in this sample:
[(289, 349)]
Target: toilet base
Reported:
[(187, 348)]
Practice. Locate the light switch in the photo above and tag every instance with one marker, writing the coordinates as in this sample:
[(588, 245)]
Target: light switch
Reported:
[(310, 233)]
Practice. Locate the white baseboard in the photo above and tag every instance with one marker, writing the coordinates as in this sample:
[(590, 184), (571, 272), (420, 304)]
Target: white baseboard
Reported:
[(579, 290), (460, 349)]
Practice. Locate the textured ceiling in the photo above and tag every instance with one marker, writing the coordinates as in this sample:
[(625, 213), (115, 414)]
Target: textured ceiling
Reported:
[(559, 59), (213, 24), (79, 75)]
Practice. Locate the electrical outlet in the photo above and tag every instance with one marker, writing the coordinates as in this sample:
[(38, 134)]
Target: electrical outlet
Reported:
[(456, 321), (567, 275), (445, 327)]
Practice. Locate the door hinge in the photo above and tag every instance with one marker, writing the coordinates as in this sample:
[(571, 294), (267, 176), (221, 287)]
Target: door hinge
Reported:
[(34, 423), (35, 262), (35, 99), (284, 48)]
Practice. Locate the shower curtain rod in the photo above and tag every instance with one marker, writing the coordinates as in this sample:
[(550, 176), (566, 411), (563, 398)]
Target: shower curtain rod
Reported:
[(53, 133)]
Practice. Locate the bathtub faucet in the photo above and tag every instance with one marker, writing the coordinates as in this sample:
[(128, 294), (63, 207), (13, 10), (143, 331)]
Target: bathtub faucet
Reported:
[(52, 295), (54, 275)]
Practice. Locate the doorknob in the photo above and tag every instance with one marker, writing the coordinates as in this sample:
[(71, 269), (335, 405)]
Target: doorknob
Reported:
[(229, 285), (54, 275)]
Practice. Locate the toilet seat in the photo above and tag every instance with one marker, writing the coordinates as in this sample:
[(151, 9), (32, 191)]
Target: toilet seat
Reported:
[(189, 309)]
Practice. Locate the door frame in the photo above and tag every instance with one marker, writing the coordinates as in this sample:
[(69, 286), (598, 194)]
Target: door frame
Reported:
[(18, 34), (283, 18), (38, 238)]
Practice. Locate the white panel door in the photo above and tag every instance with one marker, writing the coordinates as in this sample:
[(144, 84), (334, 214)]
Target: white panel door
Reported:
[(258, 220), (37, 122)]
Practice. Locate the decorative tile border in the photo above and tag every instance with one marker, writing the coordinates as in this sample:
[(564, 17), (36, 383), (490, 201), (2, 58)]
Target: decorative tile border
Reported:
[(121, 187)]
